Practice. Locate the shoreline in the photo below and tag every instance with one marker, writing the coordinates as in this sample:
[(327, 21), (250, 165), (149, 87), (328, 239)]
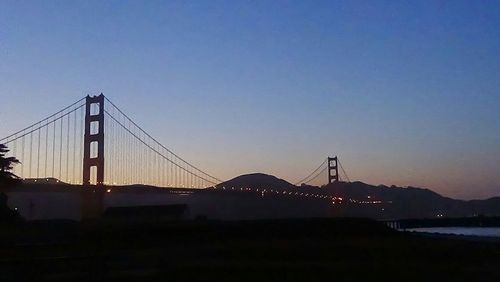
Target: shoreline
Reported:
[(474, 238)]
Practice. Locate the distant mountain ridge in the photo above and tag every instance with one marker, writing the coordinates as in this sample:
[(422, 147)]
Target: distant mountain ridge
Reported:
[(401, 202)]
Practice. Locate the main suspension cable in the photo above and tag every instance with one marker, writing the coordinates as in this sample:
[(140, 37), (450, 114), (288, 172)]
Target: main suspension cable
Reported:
[(161, 145), (311, 174), (42, 120), (154, 150)]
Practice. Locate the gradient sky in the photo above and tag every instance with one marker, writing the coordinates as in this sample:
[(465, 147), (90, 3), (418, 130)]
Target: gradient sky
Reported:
[(405, 92)]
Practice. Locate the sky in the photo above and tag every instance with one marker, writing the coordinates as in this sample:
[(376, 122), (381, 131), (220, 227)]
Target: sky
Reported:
[(404, 92)]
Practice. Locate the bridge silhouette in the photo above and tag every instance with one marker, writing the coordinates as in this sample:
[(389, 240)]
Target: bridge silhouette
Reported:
[(93, 142)]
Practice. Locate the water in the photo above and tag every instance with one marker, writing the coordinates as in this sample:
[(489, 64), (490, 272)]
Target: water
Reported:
[(468, 231)]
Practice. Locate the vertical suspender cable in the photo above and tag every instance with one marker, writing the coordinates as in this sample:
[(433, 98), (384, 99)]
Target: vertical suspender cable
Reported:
[(14, 152), (148, 163), (130, 158), (38, 156), (161, 173), (22, 156), (31, 154), (122, 156), (54, 150), (133, 169), (46, 147), (73, 172), (60, 150), (67, 150), (156, 170)]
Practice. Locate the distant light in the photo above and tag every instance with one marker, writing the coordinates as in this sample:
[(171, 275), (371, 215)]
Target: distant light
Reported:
[(109, 190)]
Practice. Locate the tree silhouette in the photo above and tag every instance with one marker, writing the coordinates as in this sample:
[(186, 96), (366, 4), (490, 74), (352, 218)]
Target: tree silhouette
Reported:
[(7, 178)]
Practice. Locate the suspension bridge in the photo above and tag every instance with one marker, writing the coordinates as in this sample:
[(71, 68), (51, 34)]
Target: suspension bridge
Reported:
[(93, 142)]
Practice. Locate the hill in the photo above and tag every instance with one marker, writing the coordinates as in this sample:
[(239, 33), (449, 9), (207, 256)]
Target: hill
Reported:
[(365, 200), (257, 180)]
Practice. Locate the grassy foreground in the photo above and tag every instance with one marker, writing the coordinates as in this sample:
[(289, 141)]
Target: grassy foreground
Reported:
[(277, 250)]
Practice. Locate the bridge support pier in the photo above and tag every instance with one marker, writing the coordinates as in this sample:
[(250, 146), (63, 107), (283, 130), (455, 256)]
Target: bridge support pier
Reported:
[(92, 203), (92, 198)]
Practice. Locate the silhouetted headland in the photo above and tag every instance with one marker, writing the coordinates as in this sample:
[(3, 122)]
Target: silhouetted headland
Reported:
[(255, 196)]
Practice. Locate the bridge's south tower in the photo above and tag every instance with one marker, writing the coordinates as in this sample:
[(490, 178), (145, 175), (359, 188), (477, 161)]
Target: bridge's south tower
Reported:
[(93, 147)]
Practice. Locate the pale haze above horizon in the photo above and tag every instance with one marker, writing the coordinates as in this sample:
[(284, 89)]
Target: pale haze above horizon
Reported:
[(405, 93)]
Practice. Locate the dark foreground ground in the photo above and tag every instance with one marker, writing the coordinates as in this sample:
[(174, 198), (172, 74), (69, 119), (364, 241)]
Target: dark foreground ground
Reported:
[(278, 250)]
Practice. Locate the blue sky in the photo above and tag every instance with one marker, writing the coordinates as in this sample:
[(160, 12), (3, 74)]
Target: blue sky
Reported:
[(406, 93)]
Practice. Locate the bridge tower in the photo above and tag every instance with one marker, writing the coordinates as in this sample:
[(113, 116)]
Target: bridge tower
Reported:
[(333, 171), (94, 139)]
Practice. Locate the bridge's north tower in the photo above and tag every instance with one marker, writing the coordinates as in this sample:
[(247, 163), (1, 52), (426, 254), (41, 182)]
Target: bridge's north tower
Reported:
[(94, 139), (333, 171)]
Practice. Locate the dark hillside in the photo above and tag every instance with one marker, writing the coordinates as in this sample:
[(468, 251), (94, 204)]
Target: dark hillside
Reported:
[(257, 180)]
